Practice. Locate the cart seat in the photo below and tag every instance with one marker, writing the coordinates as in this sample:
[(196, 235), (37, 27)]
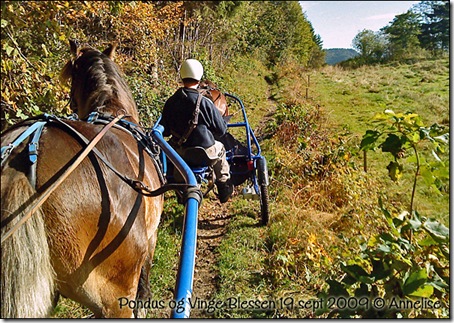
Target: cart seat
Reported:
[(198, 157)]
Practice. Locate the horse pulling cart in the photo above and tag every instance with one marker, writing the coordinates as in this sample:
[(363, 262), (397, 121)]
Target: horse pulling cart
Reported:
[(82, 199)]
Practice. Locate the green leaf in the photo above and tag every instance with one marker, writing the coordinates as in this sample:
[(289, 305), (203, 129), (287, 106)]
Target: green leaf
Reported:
[(427, 241), (383, 248), (392, 144), (358, 273), (8, 49), (436, 156), (424, 291), (415, 223), (4, 23), (415, 281), (336, 288), (387, 237), (414, 137), (438, 283), (395, 171), (400, 219), (369, 140), (443, 138), (437, 230), (379, 271)]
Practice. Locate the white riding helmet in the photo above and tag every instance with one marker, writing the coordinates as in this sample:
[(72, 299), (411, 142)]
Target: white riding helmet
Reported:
[(191, 68)]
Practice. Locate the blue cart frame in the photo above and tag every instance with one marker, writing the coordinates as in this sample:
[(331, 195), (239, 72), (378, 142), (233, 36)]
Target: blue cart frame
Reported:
[(254, 168), (249, 165)]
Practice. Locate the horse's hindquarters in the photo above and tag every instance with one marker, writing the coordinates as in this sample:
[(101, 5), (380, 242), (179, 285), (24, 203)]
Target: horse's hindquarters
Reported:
[(98, 229), (27, 277)]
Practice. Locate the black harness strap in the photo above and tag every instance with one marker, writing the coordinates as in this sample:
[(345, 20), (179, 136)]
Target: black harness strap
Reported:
[(192, 123), (137, 185), (150, 146)]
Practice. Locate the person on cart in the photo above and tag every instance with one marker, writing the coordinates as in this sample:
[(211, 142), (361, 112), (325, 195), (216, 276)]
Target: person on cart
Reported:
[(192, 120)]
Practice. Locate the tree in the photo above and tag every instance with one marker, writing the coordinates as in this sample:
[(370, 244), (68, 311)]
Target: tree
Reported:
[(371, 45), (403, 35), (434, 25)]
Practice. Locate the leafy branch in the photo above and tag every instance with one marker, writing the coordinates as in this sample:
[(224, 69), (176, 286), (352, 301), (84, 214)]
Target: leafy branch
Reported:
[(399, 133)]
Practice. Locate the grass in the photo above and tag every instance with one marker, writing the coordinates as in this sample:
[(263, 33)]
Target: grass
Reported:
[(317, 222), (242, 268), (422, 88), (353, 97), (166, 258)]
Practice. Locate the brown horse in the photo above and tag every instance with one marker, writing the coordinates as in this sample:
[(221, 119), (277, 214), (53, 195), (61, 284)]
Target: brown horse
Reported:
[(94, 237), (211, 91)]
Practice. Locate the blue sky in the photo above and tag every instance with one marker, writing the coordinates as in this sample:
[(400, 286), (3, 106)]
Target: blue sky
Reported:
[(338, 22)]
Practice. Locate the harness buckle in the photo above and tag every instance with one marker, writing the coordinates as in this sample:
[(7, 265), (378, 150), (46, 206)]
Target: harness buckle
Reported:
[(33, 152)]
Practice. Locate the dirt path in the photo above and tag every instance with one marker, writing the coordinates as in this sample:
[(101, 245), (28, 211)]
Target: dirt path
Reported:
[(212, 226), (213, 220)]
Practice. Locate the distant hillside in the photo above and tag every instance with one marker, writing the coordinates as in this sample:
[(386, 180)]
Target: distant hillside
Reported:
[(336, 55)]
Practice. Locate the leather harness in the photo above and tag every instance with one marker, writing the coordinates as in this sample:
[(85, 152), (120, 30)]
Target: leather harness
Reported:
[(149, 146)]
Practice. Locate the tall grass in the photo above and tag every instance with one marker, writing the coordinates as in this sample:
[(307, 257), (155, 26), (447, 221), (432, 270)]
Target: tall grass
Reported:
[(323, 203)]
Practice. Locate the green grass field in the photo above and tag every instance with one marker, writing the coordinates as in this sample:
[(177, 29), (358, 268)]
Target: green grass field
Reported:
[(352, 98)]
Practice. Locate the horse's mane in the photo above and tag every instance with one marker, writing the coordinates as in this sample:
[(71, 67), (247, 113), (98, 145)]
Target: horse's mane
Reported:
[(100, 79)]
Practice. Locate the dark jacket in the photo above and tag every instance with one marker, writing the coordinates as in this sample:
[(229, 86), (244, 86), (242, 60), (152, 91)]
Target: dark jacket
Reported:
[(178, 112)]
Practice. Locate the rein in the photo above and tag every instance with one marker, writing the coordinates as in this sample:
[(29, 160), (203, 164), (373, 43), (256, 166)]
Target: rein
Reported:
[(57, 183)]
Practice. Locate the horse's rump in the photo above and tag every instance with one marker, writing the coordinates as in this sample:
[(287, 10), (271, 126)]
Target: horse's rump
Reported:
[(212, 92), (97, 227)]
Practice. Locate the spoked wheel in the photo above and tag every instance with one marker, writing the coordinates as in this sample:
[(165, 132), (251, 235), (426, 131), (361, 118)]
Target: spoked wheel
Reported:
[(264, 204)]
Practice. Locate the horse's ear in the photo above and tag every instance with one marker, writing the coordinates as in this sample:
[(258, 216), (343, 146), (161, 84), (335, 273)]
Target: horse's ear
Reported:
[(74, 48), (65, 74), (110, 51)]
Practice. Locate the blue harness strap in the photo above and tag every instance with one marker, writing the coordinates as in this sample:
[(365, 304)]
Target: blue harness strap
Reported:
[(36, 128), (33, 152), (33, 145)]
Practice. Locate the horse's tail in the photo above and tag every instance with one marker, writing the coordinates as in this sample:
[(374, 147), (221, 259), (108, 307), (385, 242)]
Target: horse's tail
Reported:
[(27, 277)]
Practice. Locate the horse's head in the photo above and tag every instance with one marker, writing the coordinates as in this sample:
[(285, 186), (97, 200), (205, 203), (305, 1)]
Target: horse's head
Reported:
[(97, 84), (211, 91)]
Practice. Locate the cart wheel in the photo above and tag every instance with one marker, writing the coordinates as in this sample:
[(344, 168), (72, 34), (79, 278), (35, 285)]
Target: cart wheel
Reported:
[(264, 205)]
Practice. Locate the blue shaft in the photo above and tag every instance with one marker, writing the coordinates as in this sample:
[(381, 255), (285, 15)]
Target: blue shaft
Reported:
[(183, 290), (185, 277)]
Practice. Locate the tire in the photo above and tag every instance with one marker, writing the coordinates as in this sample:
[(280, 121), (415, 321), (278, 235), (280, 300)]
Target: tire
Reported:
[(262, 172), (264, 204)]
